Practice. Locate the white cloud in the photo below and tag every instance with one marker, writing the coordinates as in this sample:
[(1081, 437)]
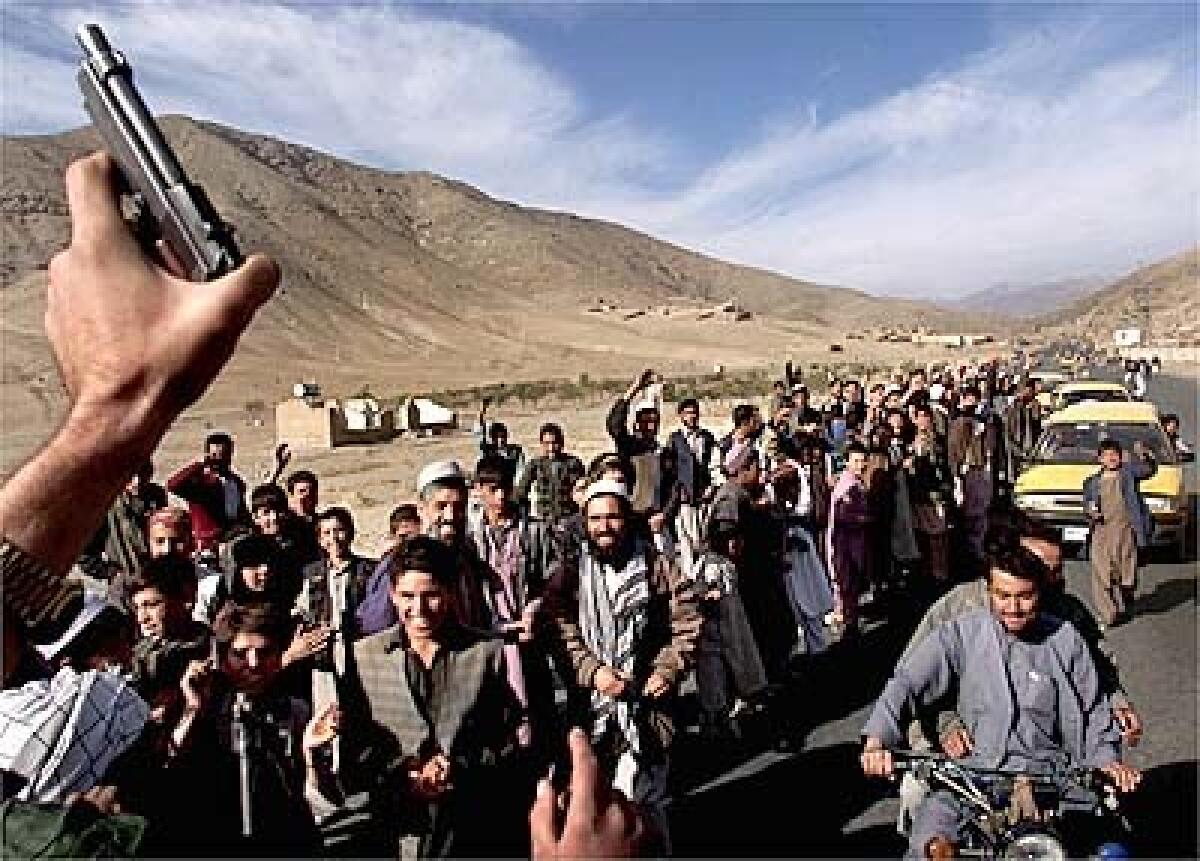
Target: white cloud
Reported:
[(35, 94), (1022, 166), (406, 91), (1054, 154)]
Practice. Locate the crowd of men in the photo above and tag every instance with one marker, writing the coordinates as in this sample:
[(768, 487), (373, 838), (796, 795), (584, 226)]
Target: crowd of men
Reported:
[(539, 616)]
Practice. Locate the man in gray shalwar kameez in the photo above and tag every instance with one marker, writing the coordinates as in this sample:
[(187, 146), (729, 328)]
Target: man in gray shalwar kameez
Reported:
[(1028, 693)]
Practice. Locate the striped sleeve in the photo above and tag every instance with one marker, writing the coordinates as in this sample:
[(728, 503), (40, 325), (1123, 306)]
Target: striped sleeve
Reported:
[(29, 591)]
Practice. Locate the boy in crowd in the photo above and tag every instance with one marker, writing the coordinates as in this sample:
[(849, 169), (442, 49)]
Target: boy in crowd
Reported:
[(161, 597), (1120, 526)]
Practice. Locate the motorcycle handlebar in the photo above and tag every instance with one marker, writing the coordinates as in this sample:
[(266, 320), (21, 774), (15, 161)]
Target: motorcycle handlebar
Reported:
[(918, 763)]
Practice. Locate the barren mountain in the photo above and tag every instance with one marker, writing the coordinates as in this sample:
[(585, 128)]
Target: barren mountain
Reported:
[(1169, 290), (410, 281), (1038, 300)]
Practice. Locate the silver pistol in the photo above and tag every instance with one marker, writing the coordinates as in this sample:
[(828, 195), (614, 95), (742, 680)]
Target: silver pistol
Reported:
[(168, 206)]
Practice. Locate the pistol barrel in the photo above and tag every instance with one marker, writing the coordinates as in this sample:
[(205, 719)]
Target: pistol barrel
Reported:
[(114, 73), (183, 215)]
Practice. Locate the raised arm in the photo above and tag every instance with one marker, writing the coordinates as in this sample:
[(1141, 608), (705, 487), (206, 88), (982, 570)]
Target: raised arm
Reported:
[(615, 423), (185, 482), (135, 346), (618, 417), (1142, 464)]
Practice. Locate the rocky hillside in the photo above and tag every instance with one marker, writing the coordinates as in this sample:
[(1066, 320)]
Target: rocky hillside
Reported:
[(1170, 289), (401, 280)]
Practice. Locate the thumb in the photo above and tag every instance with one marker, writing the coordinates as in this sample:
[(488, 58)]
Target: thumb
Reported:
[(238, 295), (216, 315)]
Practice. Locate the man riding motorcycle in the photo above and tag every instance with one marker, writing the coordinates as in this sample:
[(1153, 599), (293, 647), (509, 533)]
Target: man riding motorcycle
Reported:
[(1027, 691)]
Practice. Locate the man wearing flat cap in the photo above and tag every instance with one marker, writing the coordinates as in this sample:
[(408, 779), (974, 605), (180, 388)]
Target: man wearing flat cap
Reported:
[(626, 626)]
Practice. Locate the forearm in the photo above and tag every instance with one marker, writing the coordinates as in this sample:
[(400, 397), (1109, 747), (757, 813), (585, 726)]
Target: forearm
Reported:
[(579, 658), (1107, 672), (1101, 735), (181, 734), (54, 503), (184, 482), (890, 715), (675, 659), (617, 418)]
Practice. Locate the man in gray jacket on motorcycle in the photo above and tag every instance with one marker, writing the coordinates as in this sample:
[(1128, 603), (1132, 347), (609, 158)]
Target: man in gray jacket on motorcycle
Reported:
[(1027, 691)]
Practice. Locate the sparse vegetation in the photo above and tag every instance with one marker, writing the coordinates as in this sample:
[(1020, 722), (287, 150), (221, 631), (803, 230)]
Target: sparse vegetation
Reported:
[(585, 390)]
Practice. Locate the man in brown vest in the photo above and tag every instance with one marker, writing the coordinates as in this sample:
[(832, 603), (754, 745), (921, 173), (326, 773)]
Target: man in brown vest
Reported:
[(430, 723)]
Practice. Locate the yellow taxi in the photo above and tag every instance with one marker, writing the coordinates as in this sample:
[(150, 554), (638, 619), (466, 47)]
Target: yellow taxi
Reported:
[(1094, 391), (1079, 366), (1047, 382), (1050, 486)]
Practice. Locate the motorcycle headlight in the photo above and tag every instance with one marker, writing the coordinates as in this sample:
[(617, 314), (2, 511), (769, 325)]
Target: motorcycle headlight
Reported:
[(1036, 846), (1160, 504)]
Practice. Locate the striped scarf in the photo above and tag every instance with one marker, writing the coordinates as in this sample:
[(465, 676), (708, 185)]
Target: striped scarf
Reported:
[(613, 613)]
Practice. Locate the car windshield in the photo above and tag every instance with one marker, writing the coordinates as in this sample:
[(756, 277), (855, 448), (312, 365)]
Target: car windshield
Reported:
[(1106, 396), (1078, 443)]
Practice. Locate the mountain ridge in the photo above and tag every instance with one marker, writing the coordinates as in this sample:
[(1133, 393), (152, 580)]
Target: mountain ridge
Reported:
[(1167, 290), (407, 280), (1032, 301)]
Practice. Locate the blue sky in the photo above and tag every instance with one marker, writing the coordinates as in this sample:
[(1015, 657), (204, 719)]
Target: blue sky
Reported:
[(925, 149)]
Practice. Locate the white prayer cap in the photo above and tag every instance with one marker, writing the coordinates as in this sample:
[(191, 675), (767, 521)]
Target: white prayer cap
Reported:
[(936, 391), (439, 470), (605, 487), (93, 606)]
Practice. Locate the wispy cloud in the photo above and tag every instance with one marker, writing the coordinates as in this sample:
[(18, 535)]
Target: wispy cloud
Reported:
[(1058, 152), (1020, 167), (386, 84)]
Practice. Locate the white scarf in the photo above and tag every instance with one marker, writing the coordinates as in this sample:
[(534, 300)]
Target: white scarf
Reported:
[(61, 734), (613, 612)]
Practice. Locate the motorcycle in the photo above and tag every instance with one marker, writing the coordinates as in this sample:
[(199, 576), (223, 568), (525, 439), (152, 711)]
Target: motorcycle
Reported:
[(1067, 813)]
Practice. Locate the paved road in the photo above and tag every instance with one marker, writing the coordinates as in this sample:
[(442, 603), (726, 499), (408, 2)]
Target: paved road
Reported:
[(815, 802)]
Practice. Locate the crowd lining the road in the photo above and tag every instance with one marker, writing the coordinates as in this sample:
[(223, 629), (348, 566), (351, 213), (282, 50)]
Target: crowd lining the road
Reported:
[(531, 616)]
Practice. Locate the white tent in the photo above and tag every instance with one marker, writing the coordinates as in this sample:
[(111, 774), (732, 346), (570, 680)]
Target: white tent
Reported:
[(422, 413)]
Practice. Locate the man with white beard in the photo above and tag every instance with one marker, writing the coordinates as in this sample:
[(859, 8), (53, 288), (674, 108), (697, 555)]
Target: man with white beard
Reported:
[(442, 488)]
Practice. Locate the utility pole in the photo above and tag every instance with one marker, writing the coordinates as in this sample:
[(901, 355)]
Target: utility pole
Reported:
[(1143, 298)]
